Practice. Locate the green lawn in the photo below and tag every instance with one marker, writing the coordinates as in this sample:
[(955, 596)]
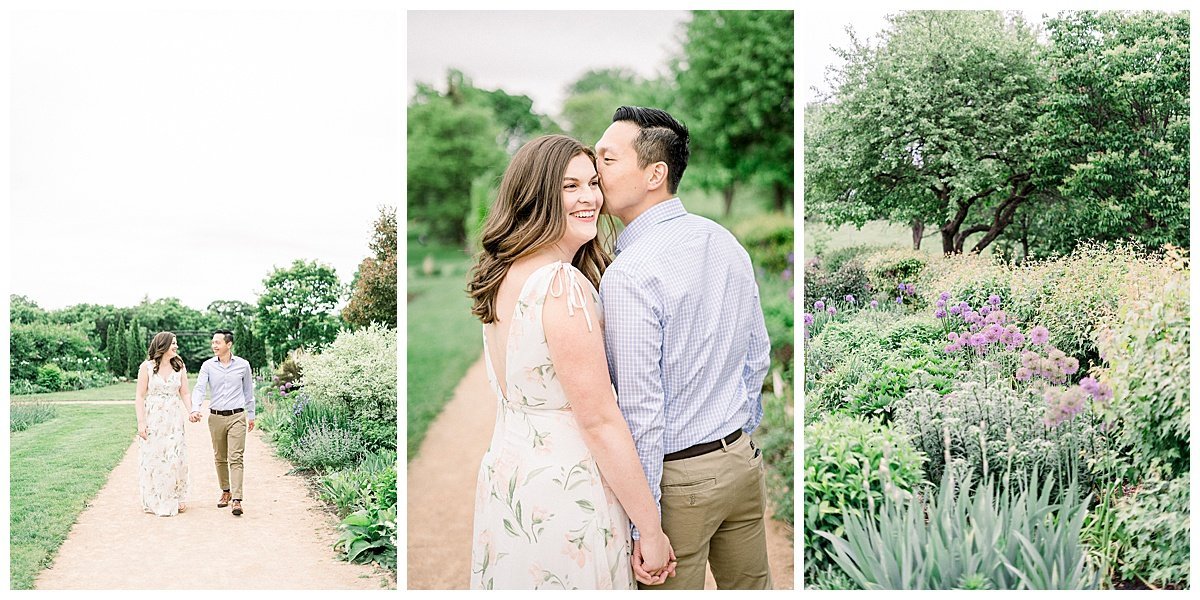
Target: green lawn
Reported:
[(443, 337), (56, 467), (117, 391)]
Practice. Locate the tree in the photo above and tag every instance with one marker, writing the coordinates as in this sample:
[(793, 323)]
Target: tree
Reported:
[(226, 312), (115, 347), (736, 85), (374, 297), (933, 125), (249, 346), (296, 308), (1115, 127), (595, 96), (24, 310), (136, 344)]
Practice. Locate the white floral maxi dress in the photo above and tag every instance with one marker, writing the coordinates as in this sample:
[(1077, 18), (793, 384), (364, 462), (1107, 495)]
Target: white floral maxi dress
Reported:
[(544, 516), (162, 457)]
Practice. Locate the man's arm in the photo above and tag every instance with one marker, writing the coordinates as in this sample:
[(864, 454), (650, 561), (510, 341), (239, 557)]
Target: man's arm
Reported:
[(758, 362), (248, 392), (633, 343), (201, 389)]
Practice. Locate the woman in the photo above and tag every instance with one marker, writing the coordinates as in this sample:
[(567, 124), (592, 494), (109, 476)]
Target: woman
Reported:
[(561, 480), (162, 405)]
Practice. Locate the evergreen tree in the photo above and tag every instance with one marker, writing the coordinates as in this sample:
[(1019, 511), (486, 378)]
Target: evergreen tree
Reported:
[(135, 349), (115, 347)]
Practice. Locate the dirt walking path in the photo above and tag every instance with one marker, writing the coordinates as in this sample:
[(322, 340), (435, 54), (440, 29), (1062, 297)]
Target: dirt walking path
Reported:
[(441, 494), (283, 541)]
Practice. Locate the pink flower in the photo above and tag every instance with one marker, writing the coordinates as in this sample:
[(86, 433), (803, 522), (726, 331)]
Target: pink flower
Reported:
[(1039, 335)]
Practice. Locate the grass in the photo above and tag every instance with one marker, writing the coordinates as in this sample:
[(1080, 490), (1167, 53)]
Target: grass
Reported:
[(820, 236), (443, 337), (114, 392), (56, 468)]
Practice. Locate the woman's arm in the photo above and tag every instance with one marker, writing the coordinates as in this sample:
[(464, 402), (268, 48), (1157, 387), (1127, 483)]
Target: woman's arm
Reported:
[(140, 398), (184, 394), (577, 351)]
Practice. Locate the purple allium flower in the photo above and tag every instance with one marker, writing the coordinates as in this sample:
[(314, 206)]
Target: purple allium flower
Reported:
[(901, 287), (1018, 339), (1024, 374), (832, 310), (965, 306), (850, 298), (951, 349), (818, 305), (912, 288), (1028, 359), (791, 257), (792, 293), (940, 313), (952, 336), (978, 339), (874, 304), (971, 317), (1070, 365), (992, 334), (808, 319), (1039, 335), (940, 304), (787, 274), (899, 299), (994, 300), (985, 311), (974, 327), (944, 296), (1103, 393), (956, 309)]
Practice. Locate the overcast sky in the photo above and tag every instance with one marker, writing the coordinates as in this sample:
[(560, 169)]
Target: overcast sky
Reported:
[(187, 153), (538, 53)]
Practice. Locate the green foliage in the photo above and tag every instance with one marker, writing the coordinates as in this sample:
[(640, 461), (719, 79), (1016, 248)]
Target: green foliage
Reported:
[(1147, 346), (769, 238), (24, 310), (24, 416), (986, 425), (969, 278), (594, 97), (891, 381), (850, 466), (34, 345), (737, 89), (296, 308), (50, 377), (289, 371), (1115, 124), (826, 284), (247, 345), (1021, 537), (326, 447), (777, 440), (369, 534), (357, 373), (1153, 529), (371, 482), (373, 296), (929, 124), (890, 267)]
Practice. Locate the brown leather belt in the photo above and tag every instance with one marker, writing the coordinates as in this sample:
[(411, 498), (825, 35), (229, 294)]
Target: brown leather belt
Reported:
[(226, 413), (705, 448)]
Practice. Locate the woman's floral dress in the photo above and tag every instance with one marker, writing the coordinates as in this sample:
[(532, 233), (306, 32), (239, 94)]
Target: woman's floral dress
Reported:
[(162, 457), (544, 516)]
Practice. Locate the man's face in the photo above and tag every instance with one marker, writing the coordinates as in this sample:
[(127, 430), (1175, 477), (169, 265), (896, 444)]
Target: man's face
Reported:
[(623, 182), (219, 345)]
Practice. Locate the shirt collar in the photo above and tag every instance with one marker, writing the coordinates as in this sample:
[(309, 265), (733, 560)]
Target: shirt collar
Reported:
[(663, 211)]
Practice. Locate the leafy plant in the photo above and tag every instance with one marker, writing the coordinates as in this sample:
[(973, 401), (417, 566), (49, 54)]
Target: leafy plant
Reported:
[(1153, 530), (326, 447), (24, 416), (1021, 537), (369, 534)]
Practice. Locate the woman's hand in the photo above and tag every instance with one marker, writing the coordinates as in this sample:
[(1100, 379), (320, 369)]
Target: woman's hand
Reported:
[(653, 558), (143, 432)]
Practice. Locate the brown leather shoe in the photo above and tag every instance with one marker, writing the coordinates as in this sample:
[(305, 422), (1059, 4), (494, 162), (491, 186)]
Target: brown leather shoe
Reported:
[(237, 508), (224, 501)]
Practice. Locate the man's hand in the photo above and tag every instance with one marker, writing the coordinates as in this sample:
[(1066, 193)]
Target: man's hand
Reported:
[(648, 577), (250, 425), (194, 417)]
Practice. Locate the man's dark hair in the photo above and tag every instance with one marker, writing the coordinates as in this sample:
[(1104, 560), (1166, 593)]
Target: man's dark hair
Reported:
[(227, 333), (661, 139)]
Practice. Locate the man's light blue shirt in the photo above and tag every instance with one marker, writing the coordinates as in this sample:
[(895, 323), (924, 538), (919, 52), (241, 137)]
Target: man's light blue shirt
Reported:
[(684, 332), (232, 386)]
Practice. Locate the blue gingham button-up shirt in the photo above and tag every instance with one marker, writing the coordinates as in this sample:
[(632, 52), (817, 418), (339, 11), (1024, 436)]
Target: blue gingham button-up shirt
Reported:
[(684, 332)]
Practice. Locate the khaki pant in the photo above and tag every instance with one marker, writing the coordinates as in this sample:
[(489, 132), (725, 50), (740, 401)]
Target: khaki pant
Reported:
[(229, 444), (714, 511)]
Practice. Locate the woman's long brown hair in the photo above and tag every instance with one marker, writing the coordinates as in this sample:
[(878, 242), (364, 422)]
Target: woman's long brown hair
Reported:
[(528, 216), (159, 346)]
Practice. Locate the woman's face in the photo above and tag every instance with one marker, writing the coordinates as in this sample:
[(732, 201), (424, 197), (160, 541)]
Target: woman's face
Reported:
[(581, 201), (173, 350)]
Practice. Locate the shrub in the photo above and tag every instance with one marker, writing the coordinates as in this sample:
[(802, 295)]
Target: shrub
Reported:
[(288, 371), (50, 377), (988, 426), (326, 447), (357, 372), (24, 416), (887, 268), (822, 284), (850, 465), (372, 482), (1022, 537), (917, 329), (833, 260), (769, 238), (969, 278), (1153, 531), (776, 439), (1147, 346), (24, 387), (33, 345), (880, 387), (369, 534)]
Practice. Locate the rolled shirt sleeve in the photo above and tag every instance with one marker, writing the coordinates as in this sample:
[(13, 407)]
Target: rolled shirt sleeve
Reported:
[(633, 342), (248, 390), (758, 362), (201, 388)]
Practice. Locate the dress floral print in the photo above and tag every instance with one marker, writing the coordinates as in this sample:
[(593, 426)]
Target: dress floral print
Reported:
[(544, 516), (162, 457)]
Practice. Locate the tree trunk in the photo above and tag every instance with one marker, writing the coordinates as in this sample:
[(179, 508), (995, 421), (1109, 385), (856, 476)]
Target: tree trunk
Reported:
[(728, 191), (918, 230), (781, 196)]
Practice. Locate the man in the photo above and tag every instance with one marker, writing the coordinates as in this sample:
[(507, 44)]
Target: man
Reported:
[(231, 413), (687, 350)]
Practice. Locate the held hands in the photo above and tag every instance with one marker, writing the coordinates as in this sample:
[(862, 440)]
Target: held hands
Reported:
[(194, 417), (250, 425), (653, 558), (142, 431)]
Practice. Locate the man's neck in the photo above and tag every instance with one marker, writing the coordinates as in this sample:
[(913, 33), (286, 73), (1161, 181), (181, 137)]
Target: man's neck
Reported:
[(634, 212), (225, 359)]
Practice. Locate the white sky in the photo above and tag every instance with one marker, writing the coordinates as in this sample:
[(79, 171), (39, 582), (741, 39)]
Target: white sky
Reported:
[(187, 153), (538, 53)]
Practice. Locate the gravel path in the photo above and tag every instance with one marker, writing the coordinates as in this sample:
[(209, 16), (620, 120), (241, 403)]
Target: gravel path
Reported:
[(283, 541), (441, 494)]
